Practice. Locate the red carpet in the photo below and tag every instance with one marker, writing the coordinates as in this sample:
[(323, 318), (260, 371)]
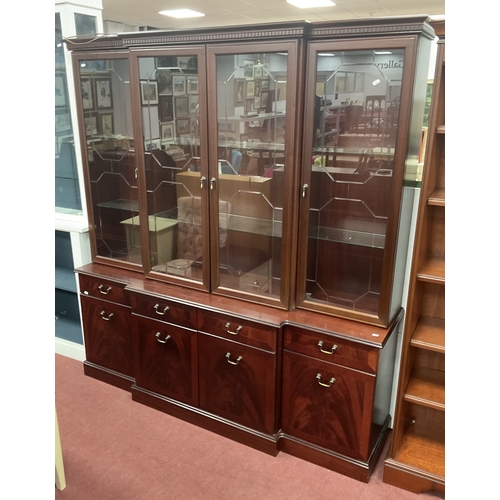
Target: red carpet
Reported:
[(116, 449)]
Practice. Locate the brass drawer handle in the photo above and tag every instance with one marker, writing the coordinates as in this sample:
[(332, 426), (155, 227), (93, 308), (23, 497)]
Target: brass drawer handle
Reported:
[(238, 359), (334, 348), (104, 292), (161, 313), (238, 330), (160, 340), (110, 315), (322, 384)]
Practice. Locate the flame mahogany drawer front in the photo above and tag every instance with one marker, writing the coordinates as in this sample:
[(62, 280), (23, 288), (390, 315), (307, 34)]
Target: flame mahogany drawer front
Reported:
[(104, 288), (238, 330), (163, 309), (330, 348)]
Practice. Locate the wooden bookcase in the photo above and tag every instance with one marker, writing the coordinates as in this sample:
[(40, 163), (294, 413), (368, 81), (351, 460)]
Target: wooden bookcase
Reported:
[(416, 458)]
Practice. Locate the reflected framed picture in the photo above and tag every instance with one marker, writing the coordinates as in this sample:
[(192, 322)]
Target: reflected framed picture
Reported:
[(181, 106), (264, 84), (239, 91), (193, 103), (248, 67), (107, 124), (60, 92), (104, 98), (166, 108), (164, 81), (91, 125), (250, 90), (149, 92), (167, 131), (179, 85), (63, 122), (182, 126), (87, 95), (192, 82)]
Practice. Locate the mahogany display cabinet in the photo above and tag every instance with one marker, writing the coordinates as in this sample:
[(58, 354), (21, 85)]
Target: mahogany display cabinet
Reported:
[(248, 230)]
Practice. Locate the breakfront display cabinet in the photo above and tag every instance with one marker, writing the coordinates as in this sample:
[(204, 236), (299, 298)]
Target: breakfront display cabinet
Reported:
[(244, 187)]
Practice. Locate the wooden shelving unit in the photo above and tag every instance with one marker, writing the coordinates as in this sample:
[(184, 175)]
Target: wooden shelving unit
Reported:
[(416, 457)]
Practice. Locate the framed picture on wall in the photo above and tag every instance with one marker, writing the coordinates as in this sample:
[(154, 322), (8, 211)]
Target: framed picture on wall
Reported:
[(149, 93), (179, 85), (103, 93), (193, 103), (87, 94), (63, 122), (107, 124), (250, 90), (164, 81), (248, 66)]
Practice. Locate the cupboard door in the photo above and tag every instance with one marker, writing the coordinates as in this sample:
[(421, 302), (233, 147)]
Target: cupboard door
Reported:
[(327, 404), (172, 120), (238, 383), (109, 157), (108, 340), (252, 126), (354, 159), (167, 359)]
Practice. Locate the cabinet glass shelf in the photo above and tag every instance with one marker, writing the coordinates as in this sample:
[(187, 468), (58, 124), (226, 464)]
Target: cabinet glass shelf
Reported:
[(348, 236), (120, 204)]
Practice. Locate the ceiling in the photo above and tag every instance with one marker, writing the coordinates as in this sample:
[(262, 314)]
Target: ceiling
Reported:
[(135, 13)]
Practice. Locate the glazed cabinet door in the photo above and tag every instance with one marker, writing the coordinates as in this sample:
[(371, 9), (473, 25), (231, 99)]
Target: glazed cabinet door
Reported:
[(171, 113), (355, 143), (238, 382), (167, 359), (109, 157), (253, 93), (327, 404), (108, 339)]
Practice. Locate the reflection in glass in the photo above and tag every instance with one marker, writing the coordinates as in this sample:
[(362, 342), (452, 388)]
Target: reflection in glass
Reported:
[(105, 87), (67, 189), (170, 117), (356, 112), (251, 114)]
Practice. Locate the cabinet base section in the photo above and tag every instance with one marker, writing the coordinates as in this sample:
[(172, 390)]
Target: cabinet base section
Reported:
[(108, 376), (356, 469), (239, 433), (410, 479)]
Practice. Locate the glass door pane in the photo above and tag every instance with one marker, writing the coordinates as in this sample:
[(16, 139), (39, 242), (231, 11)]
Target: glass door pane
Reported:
[(171, 131), (356, 113), (251, 116), (105, 88)]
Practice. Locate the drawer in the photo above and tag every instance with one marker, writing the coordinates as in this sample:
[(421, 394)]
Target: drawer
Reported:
[(238, 383), (331, 348), (166, 359), (328, 405), (108, 340), (239, 330), (105, 289), (162, 309)]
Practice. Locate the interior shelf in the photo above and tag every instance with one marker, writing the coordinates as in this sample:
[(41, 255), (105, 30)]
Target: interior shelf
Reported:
[(121, 204), (432, 270), (429, 334), (65, 279), (437, 198), (426, 387), (423, 451)]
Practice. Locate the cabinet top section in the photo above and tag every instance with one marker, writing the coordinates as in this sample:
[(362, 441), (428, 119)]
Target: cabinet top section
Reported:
[(358, 28)]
